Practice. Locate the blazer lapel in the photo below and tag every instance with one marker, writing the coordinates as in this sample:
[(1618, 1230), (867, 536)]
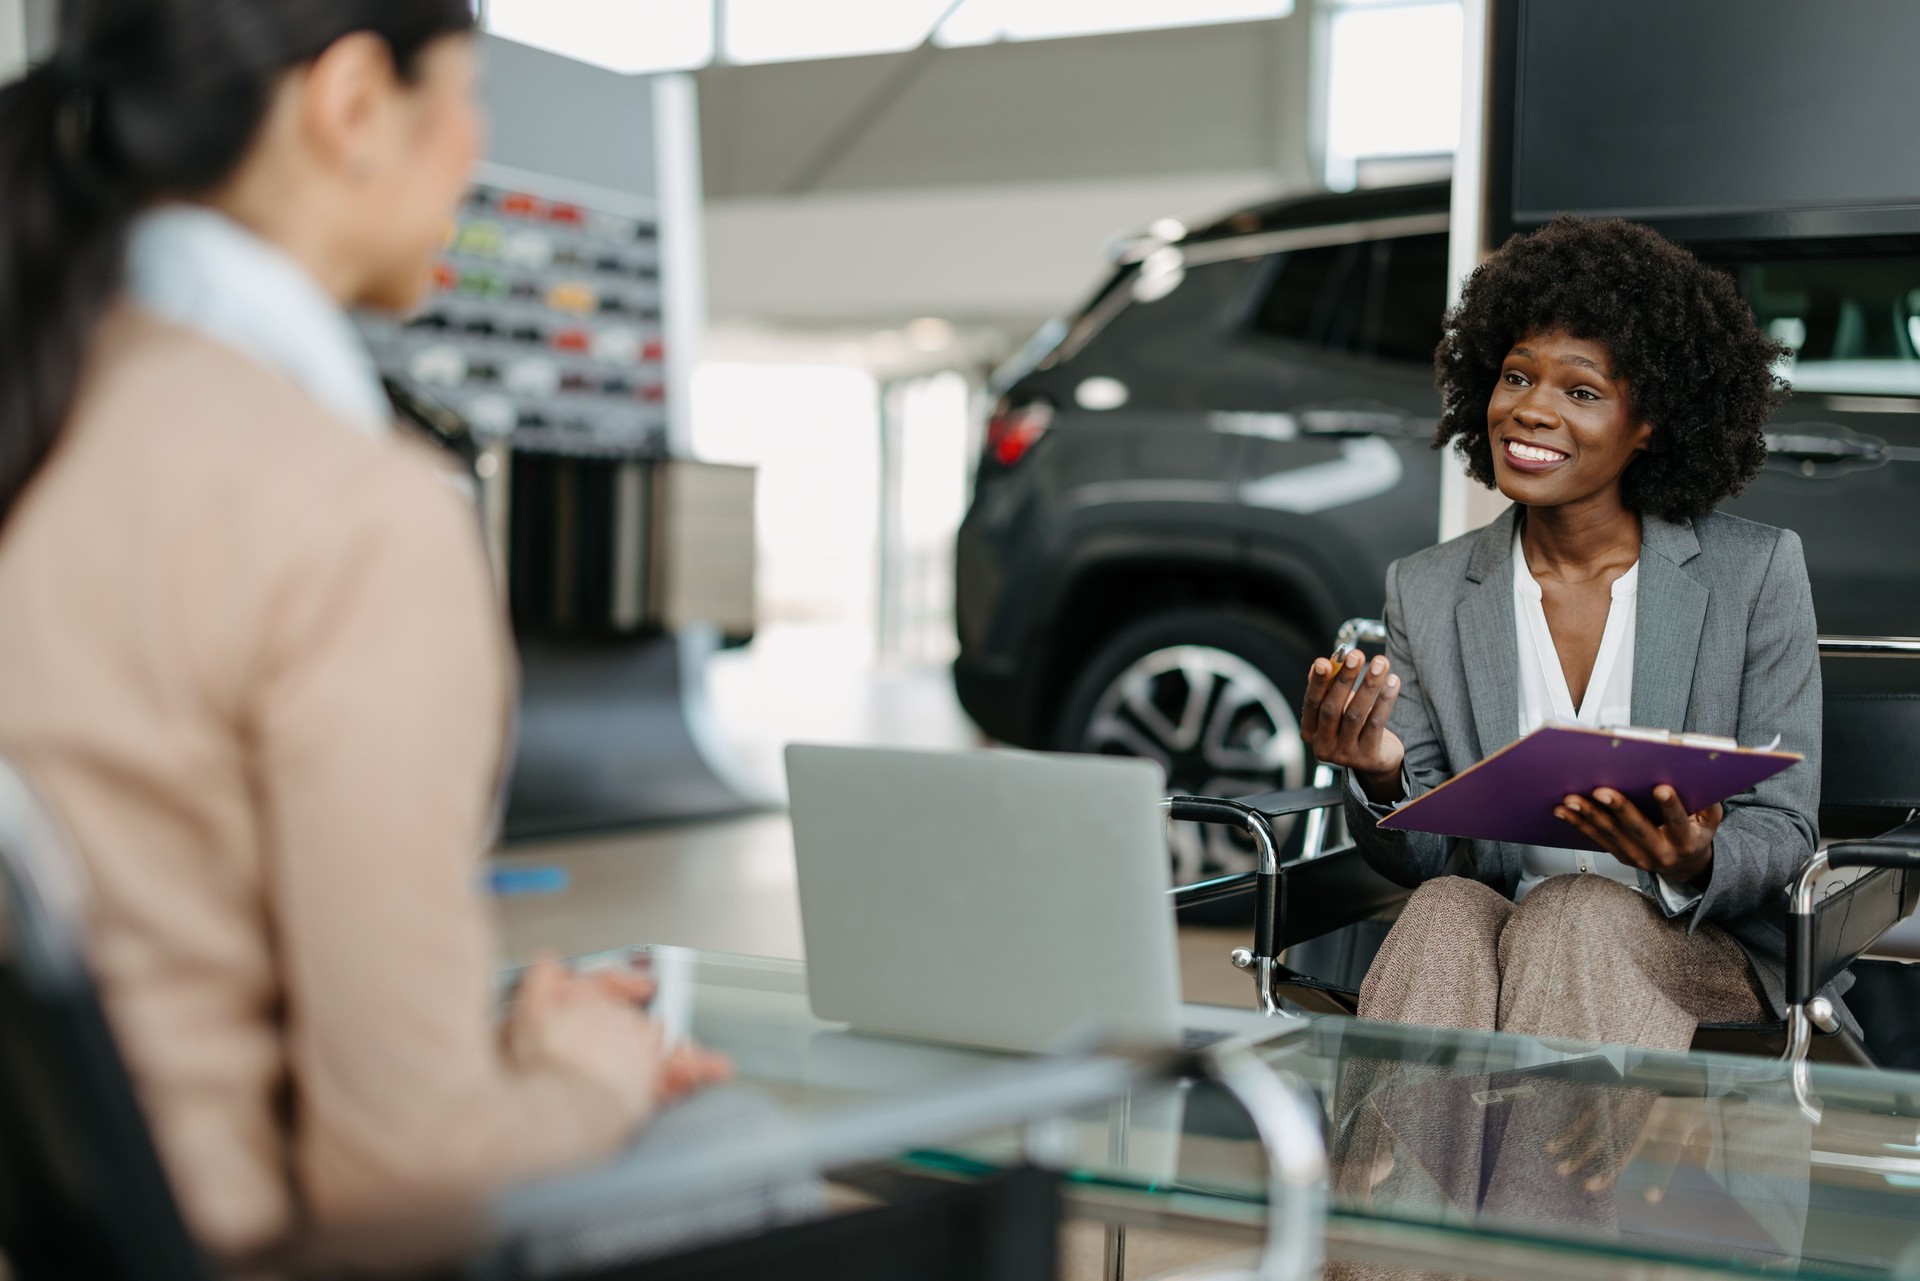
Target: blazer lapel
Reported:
[(1487, 637), (1672, 611)]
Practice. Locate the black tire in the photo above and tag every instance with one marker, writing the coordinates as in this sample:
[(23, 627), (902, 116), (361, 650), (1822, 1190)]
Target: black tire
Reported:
[(1158, 662)]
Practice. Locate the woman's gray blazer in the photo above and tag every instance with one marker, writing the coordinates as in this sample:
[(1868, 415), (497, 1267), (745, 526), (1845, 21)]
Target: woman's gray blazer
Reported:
[(1726, 644)]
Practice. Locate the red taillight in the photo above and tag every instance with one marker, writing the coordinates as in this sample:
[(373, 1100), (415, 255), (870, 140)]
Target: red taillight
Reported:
[(1012, 432)]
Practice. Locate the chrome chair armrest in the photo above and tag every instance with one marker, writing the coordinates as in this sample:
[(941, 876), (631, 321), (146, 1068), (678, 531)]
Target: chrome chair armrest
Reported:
[(1298, 800), (1265, 881), (1807, 1010), (1254, 815), (1898, 849), (1209, 809)]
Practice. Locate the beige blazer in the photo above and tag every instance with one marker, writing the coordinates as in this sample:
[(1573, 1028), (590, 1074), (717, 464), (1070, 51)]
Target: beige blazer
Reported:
[(254, 659)]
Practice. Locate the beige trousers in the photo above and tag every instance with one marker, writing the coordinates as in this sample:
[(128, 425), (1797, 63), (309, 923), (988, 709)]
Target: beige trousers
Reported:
[(1581, 957)]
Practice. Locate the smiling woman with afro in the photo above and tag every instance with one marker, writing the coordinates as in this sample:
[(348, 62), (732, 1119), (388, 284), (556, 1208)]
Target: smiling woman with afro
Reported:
[(1615, 389), (1680, 335)]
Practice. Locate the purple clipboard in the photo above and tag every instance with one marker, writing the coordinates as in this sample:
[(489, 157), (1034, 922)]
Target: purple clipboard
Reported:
[(1511, 795)]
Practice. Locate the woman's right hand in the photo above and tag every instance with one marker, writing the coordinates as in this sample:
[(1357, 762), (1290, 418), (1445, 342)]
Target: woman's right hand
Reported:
[(592, 1023), (1344, 721)]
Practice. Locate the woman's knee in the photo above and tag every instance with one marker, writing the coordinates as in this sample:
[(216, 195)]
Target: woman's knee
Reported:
[(1439, 964), (1453, 908), (1582, 912), (1454, 898)]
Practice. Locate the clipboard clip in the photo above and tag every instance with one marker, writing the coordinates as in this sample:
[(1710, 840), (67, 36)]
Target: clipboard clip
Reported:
[(1715, 742)]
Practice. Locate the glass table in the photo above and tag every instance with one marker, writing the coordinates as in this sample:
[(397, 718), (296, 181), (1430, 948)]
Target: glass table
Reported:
[(1461, 1153)]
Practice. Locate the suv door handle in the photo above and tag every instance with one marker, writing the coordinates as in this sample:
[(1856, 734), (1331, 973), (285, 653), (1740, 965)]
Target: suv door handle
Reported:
[(1832, 450), (1825, 443)]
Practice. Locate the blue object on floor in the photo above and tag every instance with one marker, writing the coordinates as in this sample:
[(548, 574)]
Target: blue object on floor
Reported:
[(527, 880)]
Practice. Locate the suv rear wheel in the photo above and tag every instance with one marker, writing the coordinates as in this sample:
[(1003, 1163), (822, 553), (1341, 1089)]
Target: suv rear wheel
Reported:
[(1208, 693)]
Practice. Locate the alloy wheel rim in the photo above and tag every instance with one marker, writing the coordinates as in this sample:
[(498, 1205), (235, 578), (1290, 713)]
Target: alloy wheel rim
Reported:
[(1218, 727)]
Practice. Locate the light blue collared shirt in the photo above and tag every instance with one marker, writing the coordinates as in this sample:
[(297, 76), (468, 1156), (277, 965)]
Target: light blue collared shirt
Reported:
[(200, 269)]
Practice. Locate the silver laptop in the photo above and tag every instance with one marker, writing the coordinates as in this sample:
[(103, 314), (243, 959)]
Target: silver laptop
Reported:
[(1001, 899)]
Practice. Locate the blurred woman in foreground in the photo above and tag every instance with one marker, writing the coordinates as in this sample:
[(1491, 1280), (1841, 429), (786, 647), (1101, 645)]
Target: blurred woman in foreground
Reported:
[(249, 646)]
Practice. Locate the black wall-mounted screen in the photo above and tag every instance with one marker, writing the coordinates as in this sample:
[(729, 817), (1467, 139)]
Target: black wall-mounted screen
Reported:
[(1711, 119)]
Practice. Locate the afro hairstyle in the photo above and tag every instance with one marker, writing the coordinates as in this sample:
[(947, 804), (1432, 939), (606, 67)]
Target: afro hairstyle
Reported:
[(1696, 366)]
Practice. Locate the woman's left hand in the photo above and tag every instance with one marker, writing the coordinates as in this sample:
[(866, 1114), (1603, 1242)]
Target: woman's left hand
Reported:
[(1680, 848), (1675, 1132)]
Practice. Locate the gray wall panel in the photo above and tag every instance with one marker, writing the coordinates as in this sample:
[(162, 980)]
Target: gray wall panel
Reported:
[(1211, 99), (551, 115)]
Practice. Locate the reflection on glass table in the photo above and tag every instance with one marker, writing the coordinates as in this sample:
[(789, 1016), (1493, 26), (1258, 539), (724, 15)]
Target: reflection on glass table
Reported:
[(1467, 1153)]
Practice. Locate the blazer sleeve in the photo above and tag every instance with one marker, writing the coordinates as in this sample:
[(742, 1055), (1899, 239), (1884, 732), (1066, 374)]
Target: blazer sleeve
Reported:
[(1771, 831), (379, 716), (1406, 858)]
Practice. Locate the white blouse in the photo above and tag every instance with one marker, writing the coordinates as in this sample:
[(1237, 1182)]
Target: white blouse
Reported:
[(1544, 697)]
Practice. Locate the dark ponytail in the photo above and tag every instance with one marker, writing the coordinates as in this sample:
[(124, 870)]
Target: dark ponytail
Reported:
[(143, 99)]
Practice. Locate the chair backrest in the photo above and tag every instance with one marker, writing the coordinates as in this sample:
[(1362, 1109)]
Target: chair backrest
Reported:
[(1869, 781), (82, 1192), (1871, 714), (1867, 759)]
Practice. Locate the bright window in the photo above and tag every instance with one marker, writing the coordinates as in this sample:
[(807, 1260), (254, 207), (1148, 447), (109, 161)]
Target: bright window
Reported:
[(811, 430), (673, 35), (782, 30), (984, 21), (929, 425), (1393, 83), (623, 35)]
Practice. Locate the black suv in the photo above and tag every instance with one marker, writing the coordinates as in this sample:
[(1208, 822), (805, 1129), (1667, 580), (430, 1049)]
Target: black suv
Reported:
[(1188, 485)]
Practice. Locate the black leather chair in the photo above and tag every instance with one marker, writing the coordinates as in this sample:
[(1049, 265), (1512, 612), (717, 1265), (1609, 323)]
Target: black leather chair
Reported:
[(82, 1193), (1319, 920)]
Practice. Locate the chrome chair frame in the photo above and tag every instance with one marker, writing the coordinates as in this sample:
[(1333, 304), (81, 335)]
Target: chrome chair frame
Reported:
[(1814, 956)]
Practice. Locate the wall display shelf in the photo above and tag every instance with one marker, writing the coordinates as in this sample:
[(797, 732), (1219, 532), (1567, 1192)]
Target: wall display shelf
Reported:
[(544, 329)]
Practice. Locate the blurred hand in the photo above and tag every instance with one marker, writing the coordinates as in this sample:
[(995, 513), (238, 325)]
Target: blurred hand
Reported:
[(1676, 1132), (1679, 848), (1344, 721), (689, 1068), (626, 985), (592, 1023)]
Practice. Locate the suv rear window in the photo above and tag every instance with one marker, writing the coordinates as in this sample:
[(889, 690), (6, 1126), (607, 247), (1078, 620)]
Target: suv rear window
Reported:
[(1851, 324), (1381, 298)]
